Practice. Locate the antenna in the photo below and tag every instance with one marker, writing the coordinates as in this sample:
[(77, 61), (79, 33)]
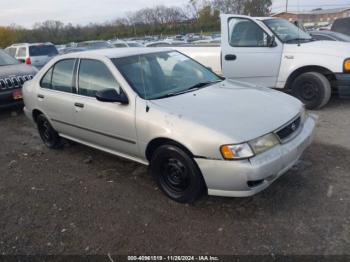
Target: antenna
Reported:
[(298, 16), (286, 6)]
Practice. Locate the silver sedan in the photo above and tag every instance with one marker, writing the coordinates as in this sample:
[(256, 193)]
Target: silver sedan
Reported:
[(198, 132)]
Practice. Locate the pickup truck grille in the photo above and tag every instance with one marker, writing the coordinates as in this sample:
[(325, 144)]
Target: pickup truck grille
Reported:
[(13, 82), (287, 132)]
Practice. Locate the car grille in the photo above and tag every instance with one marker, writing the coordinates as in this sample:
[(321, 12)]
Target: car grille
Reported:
[(288, 131), (13, 82)]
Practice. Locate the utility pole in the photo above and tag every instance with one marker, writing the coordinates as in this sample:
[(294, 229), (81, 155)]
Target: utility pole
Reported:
[(286, 6)]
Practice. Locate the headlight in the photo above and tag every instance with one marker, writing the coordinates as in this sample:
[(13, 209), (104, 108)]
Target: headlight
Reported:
[(264, 143), (347, 65), (235, 152)]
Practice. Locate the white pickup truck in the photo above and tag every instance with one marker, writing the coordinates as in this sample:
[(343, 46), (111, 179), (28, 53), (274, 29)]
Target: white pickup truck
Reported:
[(274, 53)]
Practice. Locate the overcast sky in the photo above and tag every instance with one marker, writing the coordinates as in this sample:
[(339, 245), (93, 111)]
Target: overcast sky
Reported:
[(27, 12)]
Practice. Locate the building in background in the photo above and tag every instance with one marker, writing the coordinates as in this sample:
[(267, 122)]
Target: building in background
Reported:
[(315, 18)]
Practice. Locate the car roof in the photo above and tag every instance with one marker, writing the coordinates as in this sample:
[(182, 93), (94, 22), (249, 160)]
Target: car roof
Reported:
[(115, 52), (30, 44)]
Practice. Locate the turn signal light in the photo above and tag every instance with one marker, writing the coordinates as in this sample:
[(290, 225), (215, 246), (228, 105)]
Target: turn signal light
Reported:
[(227, 152), (347, 65)]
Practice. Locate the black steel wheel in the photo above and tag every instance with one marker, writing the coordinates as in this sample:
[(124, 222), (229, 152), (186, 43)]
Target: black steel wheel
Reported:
[(177, 174), (313, 89), (47, 133)]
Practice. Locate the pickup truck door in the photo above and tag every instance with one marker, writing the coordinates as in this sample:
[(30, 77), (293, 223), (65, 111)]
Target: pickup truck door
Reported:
[(250, 53)]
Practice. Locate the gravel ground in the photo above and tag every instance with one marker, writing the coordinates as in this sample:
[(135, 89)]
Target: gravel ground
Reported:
[(82, 201)]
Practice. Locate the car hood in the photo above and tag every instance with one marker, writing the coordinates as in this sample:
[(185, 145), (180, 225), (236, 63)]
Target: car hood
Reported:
[(238, 111), (16, 70), (330, 48)]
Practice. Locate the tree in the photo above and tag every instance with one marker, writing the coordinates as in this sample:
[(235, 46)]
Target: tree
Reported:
[(7, 36), (229, 6), (257, 7)]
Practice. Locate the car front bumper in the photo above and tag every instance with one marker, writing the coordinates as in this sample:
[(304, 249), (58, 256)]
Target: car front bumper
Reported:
[(342, 84), (7, 100), (230, 178)]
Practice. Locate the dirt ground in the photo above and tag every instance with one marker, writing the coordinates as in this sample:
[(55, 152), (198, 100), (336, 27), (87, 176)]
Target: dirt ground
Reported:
[(82, 201)]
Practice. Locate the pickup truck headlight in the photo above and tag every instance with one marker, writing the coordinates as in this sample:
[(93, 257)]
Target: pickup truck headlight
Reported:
[(236, 152), (264, 143), (347, 65)]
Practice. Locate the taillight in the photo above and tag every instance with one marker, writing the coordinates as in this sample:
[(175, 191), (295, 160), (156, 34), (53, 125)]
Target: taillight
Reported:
[(28, 62)]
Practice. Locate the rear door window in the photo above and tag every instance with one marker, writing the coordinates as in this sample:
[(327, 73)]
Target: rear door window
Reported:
[(94, 76), (63, 75), (43, 50)]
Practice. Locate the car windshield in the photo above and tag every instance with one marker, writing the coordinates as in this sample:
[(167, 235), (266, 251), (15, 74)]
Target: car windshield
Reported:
[(6, 59), (43, 50), (164, 74), (286, 31)]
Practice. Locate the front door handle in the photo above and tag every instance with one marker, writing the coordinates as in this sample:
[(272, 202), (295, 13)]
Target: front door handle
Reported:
[(41, 96), (79, 105), (230, 57)]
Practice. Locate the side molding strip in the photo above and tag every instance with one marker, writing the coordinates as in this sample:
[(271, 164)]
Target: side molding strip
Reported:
[(96, 132)]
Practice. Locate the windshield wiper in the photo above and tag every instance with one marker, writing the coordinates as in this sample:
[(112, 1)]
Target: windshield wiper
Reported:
[(191, 88), (201, 85)]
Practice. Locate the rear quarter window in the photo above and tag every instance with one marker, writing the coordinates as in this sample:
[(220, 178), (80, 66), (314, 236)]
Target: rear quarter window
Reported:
[(63, 75), (22, 52)]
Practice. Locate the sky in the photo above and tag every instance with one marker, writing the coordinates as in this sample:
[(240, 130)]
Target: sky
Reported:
[(27, 12)]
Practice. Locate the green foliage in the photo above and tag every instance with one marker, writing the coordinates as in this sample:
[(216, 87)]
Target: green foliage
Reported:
[(197, 17)]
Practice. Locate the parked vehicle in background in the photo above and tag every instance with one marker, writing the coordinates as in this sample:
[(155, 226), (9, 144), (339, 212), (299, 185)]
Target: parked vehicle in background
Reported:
[(273, 52), (13, 74), (95, 44), (167, 42), (329, 35), (69, 50), (60, 48), (36, 54), (121, 43), (161, 108), (341, 25)]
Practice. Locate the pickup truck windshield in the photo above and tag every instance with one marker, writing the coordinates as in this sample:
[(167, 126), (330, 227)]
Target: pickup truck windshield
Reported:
[(287, 32), (164, 74), (6, 59)]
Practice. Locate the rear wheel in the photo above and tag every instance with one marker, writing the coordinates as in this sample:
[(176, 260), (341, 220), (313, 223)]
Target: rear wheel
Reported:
[(313, 89), (177, 174), (47, 133)]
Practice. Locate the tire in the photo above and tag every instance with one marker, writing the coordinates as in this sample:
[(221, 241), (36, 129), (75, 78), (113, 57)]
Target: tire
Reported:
[(177, 174), (313, 89), (47, 133)]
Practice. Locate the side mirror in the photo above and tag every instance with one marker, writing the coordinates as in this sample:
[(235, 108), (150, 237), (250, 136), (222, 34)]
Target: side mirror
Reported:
[(271, 41), (112, 96)]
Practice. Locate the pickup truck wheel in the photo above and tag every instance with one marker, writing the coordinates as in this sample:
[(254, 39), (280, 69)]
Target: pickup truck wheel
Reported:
[(49, 135), (313, 89), (177, 174)]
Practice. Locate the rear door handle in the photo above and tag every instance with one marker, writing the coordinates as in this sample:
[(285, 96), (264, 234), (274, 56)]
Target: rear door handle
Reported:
[(79, 105), (41, 96), (230, 57)]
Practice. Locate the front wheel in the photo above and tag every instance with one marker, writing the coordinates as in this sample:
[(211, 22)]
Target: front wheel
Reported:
[(47, 133), (313, 89), (177, 174)]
